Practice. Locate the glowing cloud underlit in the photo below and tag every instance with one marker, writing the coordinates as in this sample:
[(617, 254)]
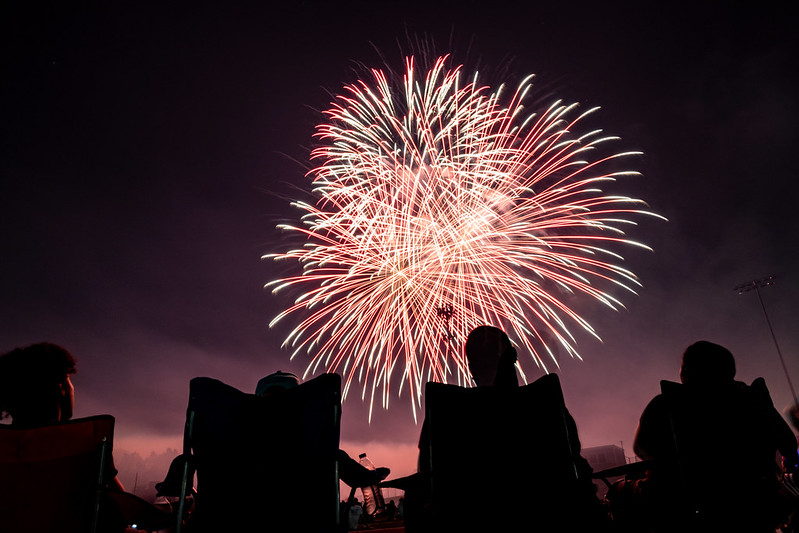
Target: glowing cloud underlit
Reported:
[(443, 205)]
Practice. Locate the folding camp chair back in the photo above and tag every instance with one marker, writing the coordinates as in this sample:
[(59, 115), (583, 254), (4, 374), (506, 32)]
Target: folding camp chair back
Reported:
[(265, 463), (721, 456), (501, 458), (52, 477)]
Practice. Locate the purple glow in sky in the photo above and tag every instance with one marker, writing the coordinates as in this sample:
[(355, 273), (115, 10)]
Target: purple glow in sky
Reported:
[(148, 152)]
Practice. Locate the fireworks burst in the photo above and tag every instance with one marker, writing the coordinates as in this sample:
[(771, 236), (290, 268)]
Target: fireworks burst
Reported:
[(443, 205)]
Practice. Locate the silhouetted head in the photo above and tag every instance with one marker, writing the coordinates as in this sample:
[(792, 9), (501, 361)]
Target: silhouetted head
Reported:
[(35, 388), (491, 357), (705, 363), (279, 381)]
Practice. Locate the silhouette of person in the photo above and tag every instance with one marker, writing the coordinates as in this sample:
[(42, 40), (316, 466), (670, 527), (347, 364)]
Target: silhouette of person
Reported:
[(492, 362), (36, 390), (354, 512), (726, 428), (35, 385), (350, 471), (491, 359), (391, 509)]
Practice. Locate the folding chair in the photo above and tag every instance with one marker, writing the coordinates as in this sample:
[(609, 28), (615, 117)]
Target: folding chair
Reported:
[(52, 477), (263, 463), (503, 459), (722, 466)]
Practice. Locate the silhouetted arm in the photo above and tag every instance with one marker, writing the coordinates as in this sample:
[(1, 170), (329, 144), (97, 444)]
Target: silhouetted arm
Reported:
[(781, 433), (355, 474), (653, 430)]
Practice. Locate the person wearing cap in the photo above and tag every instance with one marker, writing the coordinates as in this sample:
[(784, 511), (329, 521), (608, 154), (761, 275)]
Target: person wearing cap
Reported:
[(276, 382), (351, 471)]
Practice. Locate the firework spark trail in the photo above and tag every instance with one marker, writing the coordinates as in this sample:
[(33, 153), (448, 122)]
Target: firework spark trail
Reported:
[(435, 193)]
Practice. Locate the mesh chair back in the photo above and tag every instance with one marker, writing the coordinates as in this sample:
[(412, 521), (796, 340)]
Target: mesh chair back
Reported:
[(721, 455), (51, 477), (500, 458), (265, 463)]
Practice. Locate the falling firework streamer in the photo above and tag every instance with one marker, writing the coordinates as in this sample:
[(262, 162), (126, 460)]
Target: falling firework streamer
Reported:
[(441, 194)]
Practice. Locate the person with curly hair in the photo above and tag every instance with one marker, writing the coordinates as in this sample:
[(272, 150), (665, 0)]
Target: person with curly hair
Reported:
[(35, 385), (36, 390)]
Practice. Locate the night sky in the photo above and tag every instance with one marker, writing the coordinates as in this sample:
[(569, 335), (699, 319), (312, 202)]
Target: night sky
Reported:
[(149, 150)]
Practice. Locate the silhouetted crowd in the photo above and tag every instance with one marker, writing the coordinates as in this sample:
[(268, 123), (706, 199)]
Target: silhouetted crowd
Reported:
[(715, 453)]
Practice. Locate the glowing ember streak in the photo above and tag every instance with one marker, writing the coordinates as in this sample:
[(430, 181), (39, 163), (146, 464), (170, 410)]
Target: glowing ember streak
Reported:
[(438, 196)]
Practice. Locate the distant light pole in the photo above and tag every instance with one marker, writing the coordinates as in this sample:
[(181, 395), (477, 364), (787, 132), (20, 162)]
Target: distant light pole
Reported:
[(755, 285), (446, 312)]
